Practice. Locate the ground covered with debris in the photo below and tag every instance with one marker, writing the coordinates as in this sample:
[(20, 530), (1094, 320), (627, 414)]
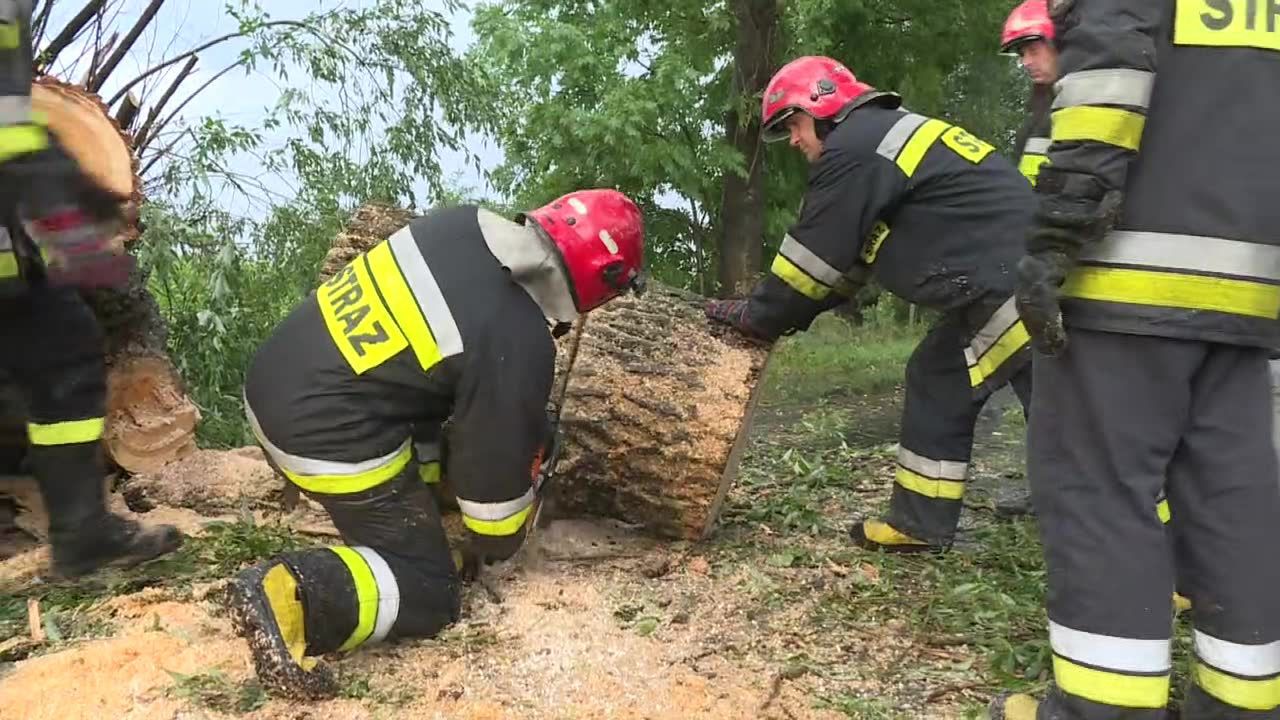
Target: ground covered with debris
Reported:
[(776, 616)]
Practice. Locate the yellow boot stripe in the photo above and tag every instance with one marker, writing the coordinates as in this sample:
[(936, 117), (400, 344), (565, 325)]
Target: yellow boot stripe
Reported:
[(366, 596), (1250, 694), (429, 472), (1111, 688), (66, 433), (882, 533), (281, 589)]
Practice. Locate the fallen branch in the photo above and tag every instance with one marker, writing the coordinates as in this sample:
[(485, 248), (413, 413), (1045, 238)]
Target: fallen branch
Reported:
[(964, 687), (33, 620)]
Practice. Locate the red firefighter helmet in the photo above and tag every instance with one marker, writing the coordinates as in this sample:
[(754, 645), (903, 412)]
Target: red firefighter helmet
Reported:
[(819, 86), (1028, 21), (600, 236)]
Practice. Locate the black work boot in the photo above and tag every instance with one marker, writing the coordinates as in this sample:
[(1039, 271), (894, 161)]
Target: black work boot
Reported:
[(84, 535), (268, 608)]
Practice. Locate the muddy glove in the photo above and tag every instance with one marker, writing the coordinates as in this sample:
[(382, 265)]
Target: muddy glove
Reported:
[(733, 312), (1075, 211), (70, 217)]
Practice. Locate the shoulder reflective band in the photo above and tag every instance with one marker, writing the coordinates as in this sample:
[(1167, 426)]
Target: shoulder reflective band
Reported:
[(1117, 671), (923, 139), (66, 433), (808, 274), (18, 140), (1223, 23), (1189, 272), (942, 479), (1112, 126), (999, 339), (1116, 86), (377, 595), (911, 137), (426, 292), (496, 518)]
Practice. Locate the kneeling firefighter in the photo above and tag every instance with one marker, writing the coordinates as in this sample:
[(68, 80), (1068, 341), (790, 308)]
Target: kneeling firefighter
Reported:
[(445, 320)]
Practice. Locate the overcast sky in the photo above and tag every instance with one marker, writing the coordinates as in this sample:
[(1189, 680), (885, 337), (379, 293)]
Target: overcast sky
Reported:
[(185, 24)]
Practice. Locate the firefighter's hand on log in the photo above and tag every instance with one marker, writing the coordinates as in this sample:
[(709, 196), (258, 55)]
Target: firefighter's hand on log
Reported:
[(733, 312), (48, 180)]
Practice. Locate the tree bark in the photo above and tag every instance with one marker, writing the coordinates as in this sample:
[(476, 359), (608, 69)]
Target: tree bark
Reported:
[(742, 205), (657, 406)]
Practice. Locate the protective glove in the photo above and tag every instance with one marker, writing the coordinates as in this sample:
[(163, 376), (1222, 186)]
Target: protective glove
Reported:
[(479, 551), (1075, 211), (69, 216), (733, 312)]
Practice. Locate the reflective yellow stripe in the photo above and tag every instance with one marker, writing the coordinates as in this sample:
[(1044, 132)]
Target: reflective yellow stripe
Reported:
[(1011, 342), (1222, 24), (966, 145), (1174, 290), (924, 138), (1029, 166), (429, 473), (281, 590), (509, 525), (10, 35), (1108, 688), (929, 487), (1112, 126), (1163, 512), (403, 306), (18, 140), (875, 238), (366, 596), (8, 265), (882, 533), (357, 482), (797, 279), (1239, 692), (66, 433), (361, 326)]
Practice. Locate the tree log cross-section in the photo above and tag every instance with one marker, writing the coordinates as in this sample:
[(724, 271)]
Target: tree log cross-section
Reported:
[(658, 406)]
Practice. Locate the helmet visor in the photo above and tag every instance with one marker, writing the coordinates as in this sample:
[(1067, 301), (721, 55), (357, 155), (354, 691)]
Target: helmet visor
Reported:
[(776, 129)]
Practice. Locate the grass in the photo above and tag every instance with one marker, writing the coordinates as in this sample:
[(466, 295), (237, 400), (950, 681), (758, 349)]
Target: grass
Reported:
[(215, 691), (867, 359), (218, 553)]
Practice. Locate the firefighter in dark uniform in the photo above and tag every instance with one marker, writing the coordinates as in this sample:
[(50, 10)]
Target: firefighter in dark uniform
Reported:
[(448, 319), (938, 217), (1028, 34), (50, 342), (1151, 285)]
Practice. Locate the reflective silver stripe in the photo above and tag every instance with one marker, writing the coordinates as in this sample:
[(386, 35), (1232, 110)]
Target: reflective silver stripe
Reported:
[(1036, 146), (1000, 321), (898, 135), (15, 110), (1253, 661), (1110, 652), (1195, 253), (388, 593), (934, 469), (426, 292), (427, 451), (1111, 86), (309, 466), (806, 260), (495, 510)]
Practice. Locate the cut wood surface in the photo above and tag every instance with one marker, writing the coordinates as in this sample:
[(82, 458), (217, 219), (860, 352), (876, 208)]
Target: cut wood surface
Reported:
[(658, 403)]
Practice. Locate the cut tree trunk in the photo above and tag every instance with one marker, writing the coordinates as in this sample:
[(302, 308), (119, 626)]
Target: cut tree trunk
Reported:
[(150, 419), (658, 404)]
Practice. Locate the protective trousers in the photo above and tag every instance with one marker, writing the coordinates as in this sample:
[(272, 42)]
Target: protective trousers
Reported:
[(395, 576), (1113, 420), (950, 375), (52, 346)]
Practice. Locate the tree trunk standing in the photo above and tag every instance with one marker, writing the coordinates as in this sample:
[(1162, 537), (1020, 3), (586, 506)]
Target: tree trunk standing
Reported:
[(742, 205), (658, 406)]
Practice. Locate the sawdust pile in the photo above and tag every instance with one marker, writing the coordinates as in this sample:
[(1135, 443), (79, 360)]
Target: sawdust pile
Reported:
[(209, 482)]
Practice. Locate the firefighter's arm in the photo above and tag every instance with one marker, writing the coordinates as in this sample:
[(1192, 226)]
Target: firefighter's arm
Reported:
[(819, 264), (1107, 57), (497, 438), (19, 135)]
